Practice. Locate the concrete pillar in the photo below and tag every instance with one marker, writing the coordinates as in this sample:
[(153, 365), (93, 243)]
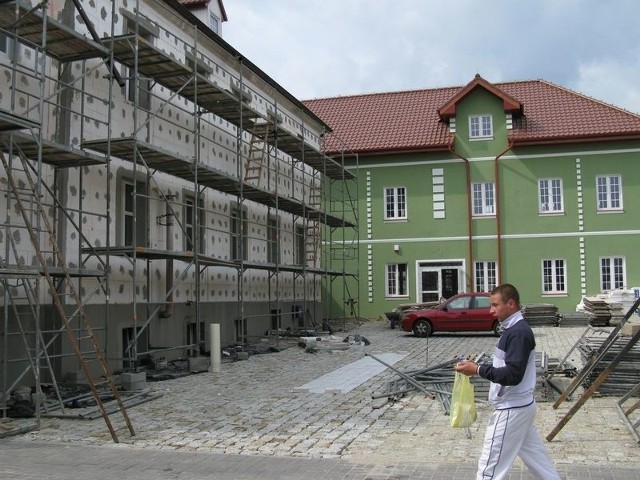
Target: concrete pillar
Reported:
[(216, 354)]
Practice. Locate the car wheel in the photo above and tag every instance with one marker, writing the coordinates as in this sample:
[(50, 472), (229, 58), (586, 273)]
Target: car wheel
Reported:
[(422, 328), (497, 328)]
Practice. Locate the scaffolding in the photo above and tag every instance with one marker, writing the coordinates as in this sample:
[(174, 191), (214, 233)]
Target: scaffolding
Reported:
[(175, 185)]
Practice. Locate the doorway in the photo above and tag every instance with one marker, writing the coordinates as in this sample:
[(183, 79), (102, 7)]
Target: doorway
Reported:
[(436, 280)]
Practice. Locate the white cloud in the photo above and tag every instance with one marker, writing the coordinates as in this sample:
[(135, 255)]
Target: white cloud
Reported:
[(317, 48), (611, 81)]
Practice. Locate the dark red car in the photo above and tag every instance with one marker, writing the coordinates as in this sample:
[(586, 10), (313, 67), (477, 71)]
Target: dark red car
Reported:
[(464, 312)]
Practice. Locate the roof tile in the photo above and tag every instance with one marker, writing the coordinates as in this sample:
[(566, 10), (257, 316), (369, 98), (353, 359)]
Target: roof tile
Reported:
[(409, 121)]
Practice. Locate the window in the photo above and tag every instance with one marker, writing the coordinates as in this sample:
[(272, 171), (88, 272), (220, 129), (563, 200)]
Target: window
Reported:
[(190, 224), (550, 190), (462, 303), (397, 280), (554, 276), (137, 24), (395, 199), (238, 232), (133, 211), (482, 302), (214, 23), (133, 344), (609, 192), (612, 273), (299, 256), (485, 276), (483, 198), (480, 126), (273, 247)]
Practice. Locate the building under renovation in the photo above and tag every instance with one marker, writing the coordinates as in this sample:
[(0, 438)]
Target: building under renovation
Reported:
[(154, 182)]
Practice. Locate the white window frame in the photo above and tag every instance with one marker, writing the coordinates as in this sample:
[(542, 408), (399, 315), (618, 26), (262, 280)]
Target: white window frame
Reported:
[(396, 280), (550, 195), (554, 281), (396, 197), (613, 273), (485, 275), (484, 199), (606, 198), (214, 23), (480, 127)]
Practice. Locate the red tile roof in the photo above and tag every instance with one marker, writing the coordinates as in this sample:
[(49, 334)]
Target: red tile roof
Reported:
[(409, 120)]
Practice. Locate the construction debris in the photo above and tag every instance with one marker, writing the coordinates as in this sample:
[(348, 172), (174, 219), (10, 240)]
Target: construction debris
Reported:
[(437, 381), (626, 374), (541, 314), (329, 343)]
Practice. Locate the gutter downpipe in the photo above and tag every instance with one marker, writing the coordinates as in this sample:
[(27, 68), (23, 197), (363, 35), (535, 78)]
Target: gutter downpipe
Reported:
[(469, 215), (498, 225)]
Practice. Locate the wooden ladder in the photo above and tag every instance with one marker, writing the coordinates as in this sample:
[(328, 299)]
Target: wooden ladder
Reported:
[(256, 156), (76, 333), (311, 242)]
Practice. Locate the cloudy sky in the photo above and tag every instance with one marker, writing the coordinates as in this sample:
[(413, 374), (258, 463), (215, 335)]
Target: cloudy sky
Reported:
[(324, 48)]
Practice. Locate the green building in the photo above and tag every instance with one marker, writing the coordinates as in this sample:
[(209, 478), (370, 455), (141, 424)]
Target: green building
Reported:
[(463, 188)]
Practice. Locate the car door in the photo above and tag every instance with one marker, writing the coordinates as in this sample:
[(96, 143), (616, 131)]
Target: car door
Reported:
[(456, 314), (480, 318)]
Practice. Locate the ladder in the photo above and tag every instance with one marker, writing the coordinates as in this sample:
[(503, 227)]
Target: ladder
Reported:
[(311, 242), (79, 315), (257, 154)]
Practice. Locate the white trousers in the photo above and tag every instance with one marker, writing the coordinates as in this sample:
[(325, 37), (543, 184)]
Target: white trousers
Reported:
[(511, 433)]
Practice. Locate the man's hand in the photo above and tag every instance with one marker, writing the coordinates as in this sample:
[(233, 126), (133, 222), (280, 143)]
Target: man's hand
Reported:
[(466, 367)]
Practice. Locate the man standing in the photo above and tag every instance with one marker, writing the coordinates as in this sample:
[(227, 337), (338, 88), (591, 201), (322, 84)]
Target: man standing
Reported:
[(511, 431)]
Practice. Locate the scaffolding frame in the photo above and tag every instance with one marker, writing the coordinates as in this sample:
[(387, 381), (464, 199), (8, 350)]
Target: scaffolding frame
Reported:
[(215, 95)]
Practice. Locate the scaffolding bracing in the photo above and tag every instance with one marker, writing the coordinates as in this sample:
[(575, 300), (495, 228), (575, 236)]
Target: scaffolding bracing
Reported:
[(159, 183)]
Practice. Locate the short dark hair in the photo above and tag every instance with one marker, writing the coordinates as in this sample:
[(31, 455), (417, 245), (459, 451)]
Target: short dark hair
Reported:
[(508, 292)]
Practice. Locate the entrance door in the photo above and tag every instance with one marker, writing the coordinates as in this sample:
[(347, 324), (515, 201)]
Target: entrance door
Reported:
[(439, 279), (430, 286), (449, 282)]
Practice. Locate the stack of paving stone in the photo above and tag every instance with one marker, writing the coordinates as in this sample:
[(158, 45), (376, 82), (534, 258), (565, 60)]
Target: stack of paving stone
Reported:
[(541, 314), (599, 310), (575, 319), (623, 377)]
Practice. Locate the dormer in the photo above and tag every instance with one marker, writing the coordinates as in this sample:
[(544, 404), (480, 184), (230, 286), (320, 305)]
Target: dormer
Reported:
[(510, 104), (209, 12), (480, 126), (480, 116)]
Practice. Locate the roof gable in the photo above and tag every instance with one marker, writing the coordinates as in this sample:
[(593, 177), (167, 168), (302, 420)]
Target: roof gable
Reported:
[(204, 3), (510, 104), (410, 121)]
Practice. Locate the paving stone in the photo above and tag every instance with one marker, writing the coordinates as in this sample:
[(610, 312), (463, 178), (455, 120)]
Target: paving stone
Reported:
[(252, 407)]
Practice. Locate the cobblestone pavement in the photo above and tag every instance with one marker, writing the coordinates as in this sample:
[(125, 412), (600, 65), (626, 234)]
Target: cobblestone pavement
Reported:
[(252, 408)]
